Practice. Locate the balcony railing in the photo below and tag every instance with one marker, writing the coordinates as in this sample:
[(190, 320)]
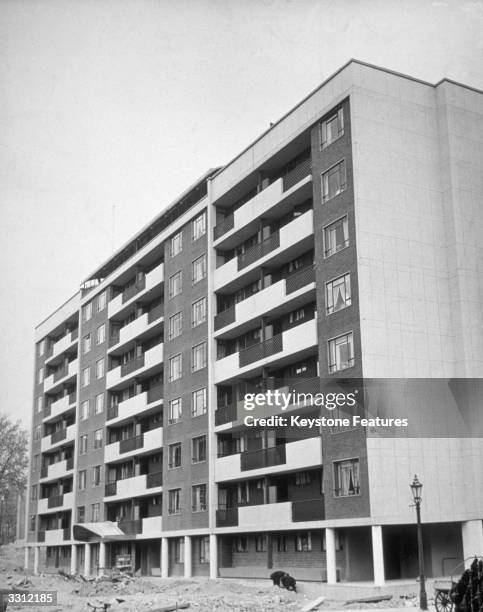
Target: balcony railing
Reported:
[(156, 393), (308, 510), (47, 410), (59, 435), (263, 457), (227, 517), (60, 373), (44, 472), (41, 536), (297, 174), (133, 290), (154, 480), (131, 366), (156, 313), (262, 349), (224, 226), (131, 444), (299, 279), (110, 489), (226, 414), (225, 318), (66, 535), (113, 412), (69, 463), (55, 501), (259, 250), (72, 397), (131, 527), (74, 334), (115, 336)]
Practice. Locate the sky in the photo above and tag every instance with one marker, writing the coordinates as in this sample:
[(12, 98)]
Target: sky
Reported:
[(109, 109)]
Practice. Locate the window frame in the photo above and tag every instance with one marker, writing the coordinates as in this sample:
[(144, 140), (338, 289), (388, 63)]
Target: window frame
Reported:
[(195, 414), (194, 225), (338, 115), (335, 465), (346, 244), (347, 300), (343, 183), (173, 359), (176, 238), (171, 294), (330, 367)]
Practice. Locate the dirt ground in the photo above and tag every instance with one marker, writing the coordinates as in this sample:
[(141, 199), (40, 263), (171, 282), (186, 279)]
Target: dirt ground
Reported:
[(146, 594)]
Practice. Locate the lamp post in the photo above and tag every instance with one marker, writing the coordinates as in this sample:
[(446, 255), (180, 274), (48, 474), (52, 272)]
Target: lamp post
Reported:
[(416, 487)]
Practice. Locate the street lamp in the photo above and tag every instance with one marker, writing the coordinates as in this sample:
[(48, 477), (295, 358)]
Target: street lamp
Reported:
[(416, 487)]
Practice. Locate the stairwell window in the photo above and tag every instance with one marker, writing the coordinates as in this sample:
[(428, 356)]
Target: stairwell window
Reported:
[(338, 294), (39, 404), (334, 181), (86, 343), (40, 375), (331, 129), (99, 407), (86, 376), (346, 478), (174, 502), (101, 301), (198, 498), (100, 368), (87, 311), (341, 352), (84, 415), (101, 333)]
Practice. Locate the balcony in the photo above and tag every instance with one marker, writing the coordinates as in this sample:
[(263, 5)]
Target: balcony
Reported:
[(152, 527), (141, 364), (134, 486), (134, 405), (61, 376), (62, 345), (294, 187), (54, 536), (298, 230), (56, 503), (267, 299), (291, 341), (57, 470), (299, 455), (227, 517), (135, 292), (59, 407), (62, 436), (136, 328), (132, 527), (308, 510), (263, 457), (148, 441), (272, 515)]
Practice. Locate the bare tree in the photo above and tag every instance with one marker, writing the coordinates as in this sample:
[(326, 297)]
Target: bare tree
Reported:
[(13, 473)]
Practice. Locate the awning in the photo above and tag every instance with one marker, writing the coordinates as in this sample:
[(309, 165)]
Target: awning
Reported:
[(88, 532)]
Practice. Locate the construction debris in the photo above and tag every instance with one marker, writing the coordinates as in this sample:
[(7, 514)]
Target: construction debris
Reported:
[(313, 604), (369, 600)]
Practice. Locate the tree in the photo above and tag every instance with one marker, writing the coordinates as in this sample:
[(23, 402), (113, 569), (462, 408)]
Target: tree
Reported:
[(13, 473)]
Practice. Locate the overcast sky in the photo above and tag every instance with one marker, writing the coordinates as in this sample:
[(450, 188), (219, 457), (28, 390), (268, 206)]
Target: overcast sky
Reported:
[(111, 108)]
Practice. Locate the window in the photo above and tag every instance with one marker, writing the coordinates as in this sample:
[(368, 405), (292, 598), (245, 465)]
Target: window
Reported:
[(33, 522), (33, 492), (175, 367), (302, 478), (179, 550), (241, 544), (101, 333), (98, 438), (39, 404), (336, 237), (341, 353), (100, 368), (242, 493), (174, 501), (87, 311), (82, 480), (198, 402), (175, 410), (83, 441), (36, 462), (101, 301), (296, 315), (333, 181), (332, 128), (174, 455), (175, 325), (346, 478), (198, 227), (96, 475), (176, 244), (84, 410), (99, 408), (38, 432), (175, 284), (86, 344), (338, 545), (338, 294), (198, 449), (86, 376), (282, 543), (205, 549), (198, 312), (95, 508), (198, 268), (41, 347), (198, 498), (81, 514), (40, 376), (198, 357), (261, 543), (303, 542)]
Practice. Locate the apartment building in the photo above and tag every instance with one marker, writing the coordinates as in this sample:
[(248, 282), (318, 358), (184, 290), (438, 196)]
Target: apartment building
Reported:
[(343, 245)]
